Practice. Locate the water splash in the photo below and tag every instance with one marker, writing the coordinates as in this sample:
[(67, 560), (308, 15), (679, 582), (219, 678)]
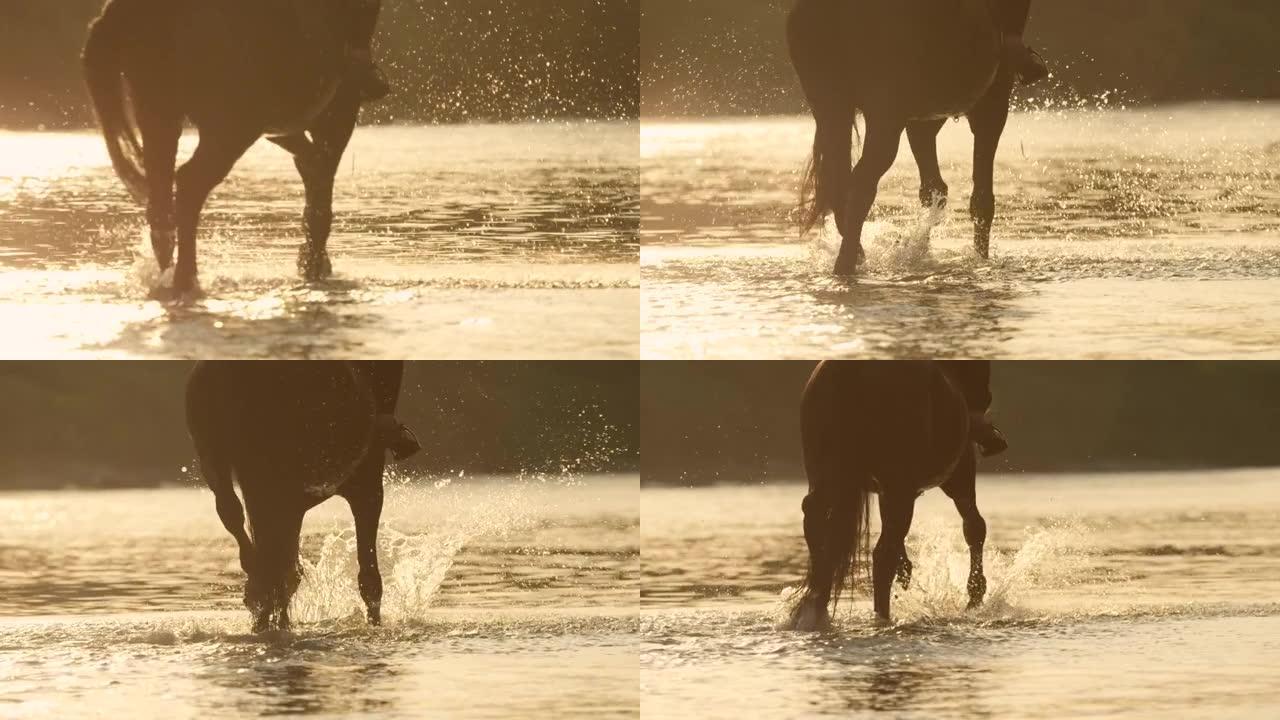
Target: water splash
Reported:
[(414, 566), (894, 249), (1051, 557)]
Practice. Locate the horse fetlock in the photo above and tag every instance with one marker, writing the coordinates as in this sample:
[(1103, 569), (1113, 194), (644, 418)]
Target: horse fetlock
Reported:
[(313, 263), (375, 613), (850, 259), (905, 569), (185, 277), (809, 615), (163, 244), (977, 589), (934, 197)]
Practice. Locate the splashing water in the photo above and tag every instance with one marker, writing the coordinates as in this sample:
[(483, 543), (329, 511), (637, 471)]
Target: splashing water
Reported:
[(1105, 218), (1052, 557), (413, 565)]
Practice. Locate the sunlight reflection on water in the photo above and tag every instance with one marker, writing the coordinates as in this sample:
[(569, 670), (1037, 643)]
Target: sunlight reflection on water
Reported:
[(439, 231), (1107, 219)]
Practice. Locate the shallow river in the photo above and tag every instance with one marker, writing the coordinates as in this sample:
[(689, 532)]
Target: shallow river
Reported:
[(1120, 233)]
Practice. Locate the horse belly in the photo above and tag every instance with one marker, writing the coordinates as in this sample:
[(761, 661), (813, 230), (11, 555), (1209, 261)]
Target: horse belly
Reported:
[(258, 62), (926, 59)]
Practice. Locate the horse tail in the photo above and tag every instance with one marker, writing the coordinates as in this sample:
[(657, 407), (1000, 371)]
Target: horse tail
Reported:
[(837, 528), (110, 36), (837, 510), (817, 53)]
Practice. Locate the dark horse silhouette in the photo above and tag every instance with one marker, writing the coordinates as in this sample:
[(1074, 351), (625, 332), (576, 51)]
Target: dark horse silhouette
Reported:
[(291, 435), (892, 428), (238, 70), (903, 65)]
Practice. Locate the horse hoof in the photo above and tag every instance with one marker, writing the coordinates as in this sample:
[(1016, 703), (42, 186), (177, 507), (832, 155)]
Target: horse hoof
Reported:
[(808, 616), (314, 267), (847, 264), (176, 296)]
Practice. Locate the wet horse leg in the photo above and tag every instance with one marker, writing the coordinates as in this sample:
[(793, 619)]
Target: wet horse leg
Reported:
[(896, 510), (987, 120), (923, 137), (277, 527), (318, 166), (878, 153), (961, 488), (364, 495), (161, 129), (287, 573), (212, 161)]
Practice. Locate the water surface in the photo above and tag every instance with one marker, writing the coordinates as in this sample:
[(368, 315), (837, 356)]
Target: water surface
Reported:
[(482, 241), (1110, 595), (1120, 233), (504, 598)]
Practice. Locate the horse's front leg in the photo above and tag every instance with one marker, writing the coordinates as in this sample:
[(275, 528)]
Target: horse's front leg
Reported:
[(987, 120), (896, 510), (961, 488), (365, 498), (318, 166)]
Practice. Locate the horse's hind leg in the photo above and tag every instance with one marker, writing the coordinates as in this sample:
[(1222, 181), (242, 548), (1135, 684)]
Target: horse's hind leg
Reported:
[(878, 153), (217, 475), (318, 166), (961, 488), (161, 129), (213, 159), (365, 498), (896, 510), (276, 530), (987, 120), (923, 137)]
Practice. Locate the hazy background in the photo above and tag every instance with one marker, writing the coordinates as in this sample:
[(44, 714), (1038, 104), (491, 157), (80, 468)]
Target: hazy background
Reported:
[(738, 422), (113, 424), (449, 60), (725, 57)]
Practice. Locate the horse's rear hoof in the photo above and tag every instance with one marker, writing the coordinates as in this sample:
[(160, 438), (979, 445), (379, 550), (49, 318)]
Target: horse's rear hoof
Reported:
[(176, 296), (375, 616), (847, 263), (809, 616), (314, 266)]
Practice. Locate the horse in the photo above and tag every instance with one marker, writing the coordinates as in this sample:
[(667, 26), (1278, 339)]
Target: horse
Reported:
[(291, 435), (895, 429), (903, 65), (238, 70)]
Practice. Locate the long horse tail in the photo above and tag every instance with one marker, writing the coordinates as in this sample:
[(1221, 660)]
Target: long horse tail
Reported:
[(837, 528), (837, 510), (819, 54), (110, 36)]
